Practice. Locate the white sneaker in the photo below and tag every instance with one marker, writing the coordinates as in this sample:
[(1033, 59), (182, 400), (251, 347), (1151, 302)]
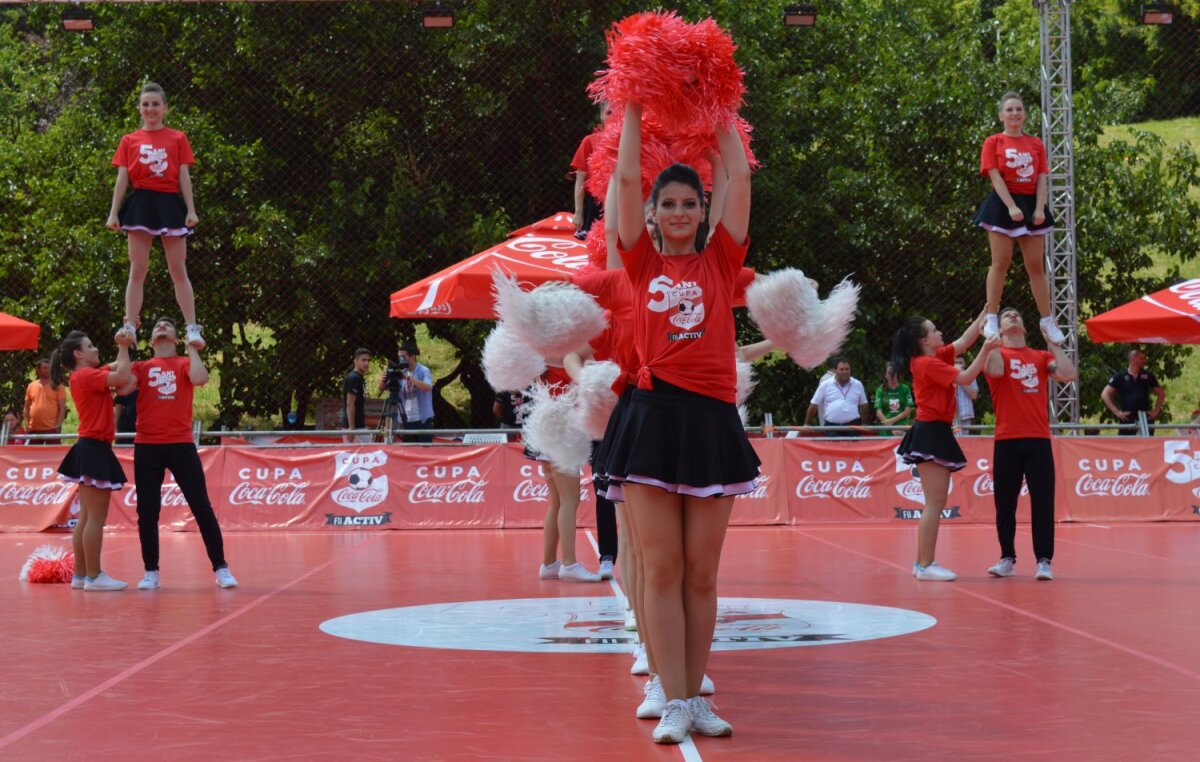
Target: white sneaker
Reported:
[(225, 578), (77, 582), (149, 582), (706, 686), (652, 706), (576, 572), (705, 721), (934, 573), (102, 583), (194, 339), (991, 326), (1003, 568), (641, 666), (606, 568), (675, 724), (549, 571), (1043, 571), (1051, 331), (630, 621)]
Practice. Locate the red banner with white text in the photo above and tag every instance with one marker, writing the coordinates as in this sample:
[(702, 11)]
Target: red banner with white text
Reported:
[(490, 486)]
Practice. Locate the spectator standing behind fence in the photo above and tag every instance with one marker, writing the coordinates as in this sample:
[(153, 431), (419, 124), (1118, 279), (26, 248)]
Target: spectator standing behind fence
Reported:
[(964, 399), (1019, 376), (414, 405), (894, 405), (164, 442), (1016, 209), (155, 161), (587, 206), (125, 411), (840, 400), (45, 406), (507, 408), (12, 421), (354, 406), (1128, 393)]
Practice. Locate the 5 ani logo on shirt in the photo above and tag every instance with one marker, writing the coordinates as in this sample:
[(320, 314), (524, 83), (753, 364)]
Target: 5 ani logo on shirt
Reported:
[(682, 300)]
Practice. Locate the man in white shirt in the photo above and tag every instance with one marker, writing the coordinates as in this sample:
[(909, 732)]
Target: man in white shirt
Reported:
[(840, 400)]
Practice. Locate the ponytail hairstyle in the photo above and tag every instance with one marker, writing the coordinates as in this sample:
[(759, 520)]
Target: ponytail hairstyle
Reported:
[(1010, 95), (63, 358), (906, 344), (154, 87)]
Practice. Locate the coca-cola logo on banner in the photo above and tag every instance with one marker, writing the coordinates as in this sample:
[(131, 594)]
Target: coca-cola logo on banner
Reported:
[(984, 486), (1112, 477), (844, 479), (172, 496), (760, 489), (33, 486), (449, 484), (363, 487), (911, 489), (1188, 293), (532, 487), (269, 486), (1184, 462)]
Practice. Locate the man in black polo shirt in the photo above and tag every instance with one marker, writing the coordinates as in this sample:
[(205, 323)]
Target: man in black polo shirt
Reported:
[(1129, 392)]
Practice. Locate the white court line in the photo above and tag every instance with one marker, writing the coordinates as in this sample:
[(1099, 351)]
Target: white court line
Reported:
[(1099, 526), (687, 748)]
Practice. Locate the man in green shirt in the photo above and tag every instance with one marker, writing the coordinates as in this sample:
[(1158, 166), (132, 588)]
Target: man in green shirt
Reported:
[(894, 403)]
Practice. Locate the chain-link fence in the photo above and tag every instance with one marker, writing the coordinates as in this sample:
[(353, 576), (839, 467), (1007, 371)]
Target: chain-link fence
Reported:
[(343, 152)]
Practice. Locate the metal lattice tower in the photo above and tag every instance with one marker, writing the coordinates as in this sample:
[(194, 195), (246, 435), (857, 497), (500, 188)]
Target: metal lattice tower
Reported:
[(1058, 129)]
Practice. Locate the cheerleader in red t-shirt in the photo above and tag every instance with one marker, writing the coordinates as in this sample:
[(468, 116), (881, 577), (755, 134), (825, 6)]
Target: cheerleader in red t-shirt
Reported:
[(90, 462), (1016, 208), (919, 352), (155, 161), (680, 453)]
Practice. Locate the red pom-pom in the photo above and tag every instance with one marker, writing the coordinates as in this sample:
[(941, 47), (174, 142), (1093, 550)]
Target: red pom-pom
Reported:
[(684, 75), (695, 146), (48, 564), (597, 246)]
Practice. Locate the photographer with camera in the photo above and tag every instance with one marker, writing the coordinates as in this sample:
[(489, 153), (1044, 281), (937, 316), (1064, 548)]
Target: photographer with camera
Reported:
[(410, 387)]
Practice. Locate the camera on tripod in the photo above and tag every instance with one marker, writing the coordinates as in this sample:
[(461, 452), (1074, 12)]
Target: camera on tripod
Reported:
[(393, 376)]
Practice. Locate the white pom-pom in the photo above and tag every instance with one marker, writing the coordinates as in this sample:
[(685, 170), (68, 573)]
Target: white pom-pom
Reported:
[(508, 363), (744, 414), (555, 318), (745, 381), (551, 427), (787, 309), (596, 397)]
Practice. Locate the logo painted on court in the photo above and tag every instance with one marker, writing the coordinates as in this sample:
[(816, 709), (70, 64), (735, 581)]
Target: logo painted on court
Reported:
[(595, 625)]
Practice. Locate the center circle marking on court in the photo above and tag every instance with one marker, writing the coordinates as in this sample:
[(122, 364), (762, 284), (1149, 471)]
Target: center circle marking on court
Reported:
[(595, 624)]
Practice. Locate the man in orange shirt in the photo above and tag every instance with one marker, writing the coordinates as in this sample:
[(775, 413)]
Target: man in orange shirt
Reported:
[(45, 407)]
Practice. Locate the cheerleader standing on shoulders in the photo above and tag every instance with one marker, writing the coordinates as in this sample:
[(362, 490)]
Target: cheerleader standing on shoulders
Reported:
[(1016, 208), (680, 453), (919, 352), (155, 161), (90, 463)]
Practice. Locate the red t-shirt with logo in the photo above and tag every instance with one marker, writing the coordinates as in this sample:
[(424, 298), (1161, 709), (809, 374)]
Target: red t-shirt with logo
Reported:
[(1020, 161), (933, 385), (1021, 396), (93, 402), (164, 400), (683, 314), (153, 158)]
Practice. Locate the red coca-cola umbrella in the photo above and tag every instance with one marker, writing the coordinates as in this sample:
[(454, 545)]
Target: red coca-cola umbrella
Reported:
[(1170, 316), (541, 252), (16, 333)]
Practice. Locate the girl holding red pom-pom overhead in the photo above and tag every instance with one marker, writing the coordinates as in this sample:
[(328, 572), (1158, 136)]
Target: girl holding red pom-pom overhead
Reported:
[(90, 462), (680, 454)]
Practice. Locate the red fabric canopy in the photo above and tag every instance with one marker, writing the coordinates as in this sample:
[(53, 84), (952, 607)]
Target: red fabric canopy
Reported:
[(1170, 316), (541, 252), (16, 333)]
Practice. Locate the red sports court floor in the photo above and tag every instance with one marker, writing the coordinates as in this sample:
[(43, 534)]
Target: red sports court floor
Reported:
[(1101, 663)]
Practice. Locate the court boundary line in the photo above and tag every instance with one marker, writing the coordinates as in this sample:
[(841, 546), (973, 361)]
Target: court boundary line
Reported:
[(1137, 553), (1180, 670), (130, 671)]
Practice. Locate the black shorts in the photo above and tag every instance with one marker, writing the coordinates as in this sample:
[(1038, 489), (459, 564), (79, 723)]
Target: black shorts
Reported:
[(92, 463), (932, 441), (156, 213), (992, 215)]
